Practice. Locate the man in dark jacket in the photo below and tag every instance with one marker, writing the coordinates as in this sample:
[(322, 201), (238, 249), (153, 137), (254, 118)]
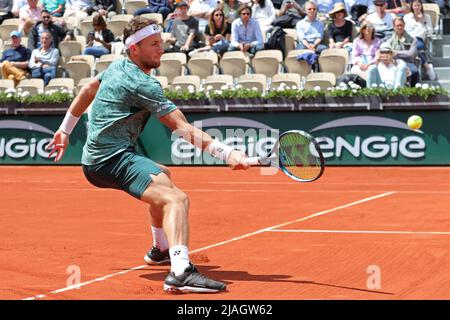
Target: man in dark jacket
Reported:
[(14, 61), (57, 32)]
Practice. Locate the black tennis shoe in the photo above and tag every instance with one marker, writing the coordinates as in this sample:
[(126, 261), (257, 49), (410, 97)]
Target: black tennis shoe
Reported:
[(192, 281), (158, 257)]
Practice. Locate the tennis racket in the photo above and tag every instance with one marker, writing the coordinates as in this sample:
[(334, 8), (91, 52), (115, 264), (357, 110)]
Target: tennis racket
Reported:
[(298, 154)]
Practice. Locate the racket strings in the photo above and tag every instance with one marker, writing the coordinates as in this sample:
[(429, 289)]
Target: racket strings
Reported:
[(297, 156)]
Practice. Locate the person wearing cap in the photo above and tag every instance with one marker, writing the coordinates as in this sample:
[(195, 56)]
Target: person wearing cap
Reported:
[(340, 30), (388, 71), (15, 60), (44, 61), (382, 20), (123, 99), (404, 47), (184, 33), (310, 30)]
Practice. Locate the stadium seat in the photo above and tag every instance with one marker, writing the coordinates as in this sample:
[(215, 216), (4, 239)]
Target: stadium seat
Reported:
[(250, 81), (86, 26), (6, 84), (80, 66), (289, 79), (33, 86), (435, 13), (118, 23), (291, 39), (172, 64), (12, 22), (81, 83), (69, 49), (234, 63), (154, 16), (163, 81), (293, 65), (133, 5), (334, 60), (324, 80), (165, 36), (268, 62), (217, 81), (184, 82), (61, 83), (5, 31), (105, 60), (203, 64)]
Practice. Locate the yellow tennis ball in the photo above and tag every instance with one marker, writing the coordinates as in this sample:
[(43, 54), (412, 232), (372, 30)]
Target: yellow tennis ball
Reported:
[(415, 122)]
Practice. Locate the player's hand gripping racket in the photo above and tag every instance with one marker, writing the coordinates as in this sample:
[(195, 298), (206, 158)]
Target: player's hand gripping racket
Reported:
[(299, 156)]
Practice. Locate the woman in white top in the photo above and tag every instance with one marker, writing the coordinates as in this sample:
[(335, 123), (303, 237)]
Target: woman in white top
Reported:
[(418, 24), (264, 12)]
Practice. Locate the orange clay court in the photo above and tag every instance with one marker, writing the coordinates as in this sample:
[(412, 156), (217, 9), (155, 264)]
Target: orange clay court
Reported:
[(356, 233)]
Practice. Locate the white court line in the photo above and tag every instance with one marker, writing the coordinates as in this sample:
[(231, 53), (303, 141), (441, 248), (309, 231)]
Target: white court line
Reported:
[(364, 231), (317, 214)]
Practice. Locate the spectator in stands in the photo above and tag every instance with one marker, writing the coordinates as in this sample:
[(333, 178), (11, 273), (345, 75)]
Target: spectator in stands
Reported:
[(6, 10), (264, 13), (364, 51), (246, 34), (99, 40), (17, 4), (418, 25), (230, 8), (155, 6), (381, 20), (55, 7), (29, 15), (404, 47), (184, 32), (310, 30), (358, 9), (398, 7), (46, 25), (78, 9), (15, 59), (387, 71), (217, 32), (340, 30), (325, 6), (201, 10), (289, 14), (105, 8), (43, 61)]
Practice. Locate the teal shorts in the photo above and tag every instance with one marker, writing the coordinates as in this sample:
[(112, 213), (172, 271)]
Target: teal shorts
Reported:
[(127, 171)]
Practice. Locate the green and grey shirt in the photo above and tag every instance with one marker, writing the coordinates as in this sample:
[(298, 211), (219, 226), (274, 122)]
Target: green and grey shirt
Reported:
[(123, 104)]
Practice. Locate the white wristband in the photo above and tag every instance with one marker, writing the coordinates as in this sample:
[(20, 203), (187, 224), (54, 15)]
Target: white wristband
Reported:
[(68, 123), (220, 150)]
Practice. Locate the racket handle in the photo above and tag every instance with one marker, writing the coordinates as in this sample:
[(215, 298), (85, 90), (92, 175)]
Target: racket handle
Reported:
[(252, 161)]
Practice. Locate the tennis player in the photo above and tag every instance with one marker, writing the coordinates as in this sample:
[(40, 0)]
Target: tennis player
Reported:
[(125, 98)]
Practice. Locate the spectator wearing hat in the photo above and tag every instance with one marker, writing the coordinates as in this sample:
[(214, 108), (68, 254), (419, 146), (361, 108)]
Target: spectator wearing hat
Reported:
[(310, 30), (43, 61), (6, 10), (15, 59), (184, 31), (155, 6), (404, 47), (365, 49), (29, 15), (387, 71), (382, 20), (340, 30), (201, 10), (246, 34)]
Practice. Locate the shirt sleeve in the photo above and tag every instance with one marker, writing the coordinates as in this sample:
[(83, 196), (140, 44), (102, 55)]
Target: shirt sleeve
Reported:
[(150, 96)]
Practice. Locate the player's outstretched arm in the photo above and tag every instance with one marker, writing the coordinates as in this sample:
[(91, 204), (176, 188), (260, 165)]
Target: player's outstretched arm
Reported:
[(60, 140), (176, 121)]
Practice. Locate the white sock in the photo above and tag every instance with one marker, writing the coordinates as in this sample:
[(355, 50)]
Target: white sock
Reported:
[(159, 238), (179, 259)]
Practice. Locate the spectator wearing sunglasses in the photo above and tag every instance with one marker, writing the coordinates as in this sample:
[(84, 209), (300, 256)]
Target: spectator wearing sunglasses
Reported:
[(46, 25), (382, 20), (310, 30), (246, 34)]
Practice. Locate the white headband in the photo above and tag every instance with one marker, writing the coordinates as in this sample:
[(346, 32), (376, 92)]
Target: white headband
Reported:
[(142, 34)]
